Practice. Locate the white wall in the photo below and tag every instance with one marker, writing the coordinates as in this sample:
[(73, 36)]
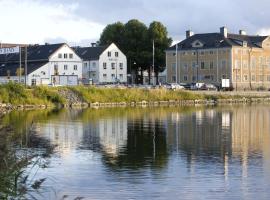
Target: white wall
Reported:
[(45, 73), (109, 60)]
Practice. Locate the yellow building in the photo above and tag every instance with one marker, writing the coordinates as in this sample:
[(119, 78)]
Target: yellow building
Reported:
[(211, 57)]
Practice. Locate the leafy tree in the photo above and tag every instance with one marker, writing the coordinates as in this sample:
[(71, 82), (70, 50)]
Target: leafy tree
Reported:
[(113, 33), (135, 39)]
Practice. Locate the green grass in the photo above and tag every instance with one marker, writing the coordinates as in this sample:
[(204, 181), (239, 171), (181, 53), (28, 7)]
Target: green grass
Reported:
[(17, 94), (103, 95)]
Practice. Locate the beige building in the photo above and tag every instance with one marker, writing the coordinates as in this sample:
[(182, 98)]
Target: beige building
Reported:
[(211, 57)]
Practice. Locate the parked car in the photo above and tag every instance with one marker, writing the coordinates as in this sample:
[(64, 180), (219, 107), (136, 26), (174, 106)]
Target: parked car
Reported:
[(209, 86), (196, 86), (174, 86)]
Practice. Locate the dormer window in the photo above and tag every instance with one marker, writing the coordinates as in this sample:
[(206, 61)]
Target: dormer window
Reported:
[(244, 43), (197, 44)]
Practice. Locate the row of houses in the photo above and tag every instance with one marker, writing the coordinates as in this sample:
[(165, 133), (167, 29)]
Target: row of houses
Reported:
[(60, 64), (210, 57)]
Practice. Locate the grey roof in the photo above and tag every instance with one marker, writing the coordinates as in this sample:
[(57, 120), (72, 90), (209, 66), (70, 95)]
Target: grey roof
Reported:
[(37, 56), (12, 68), (217, 40), (34, 53), (90, 53)]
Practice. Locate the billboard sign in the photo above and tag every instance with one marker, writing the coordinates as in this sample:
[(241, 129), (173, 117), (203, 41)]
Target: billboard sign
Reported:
[(9, 50)]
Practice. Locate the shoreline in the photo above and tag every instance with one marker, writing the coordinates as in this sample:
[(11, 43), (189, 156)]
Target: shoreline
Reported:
[(6, 108)]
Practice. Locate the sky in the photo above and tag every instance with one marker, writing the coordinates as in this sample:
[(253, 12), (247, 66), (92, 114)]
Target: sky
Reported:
[(80, 22)]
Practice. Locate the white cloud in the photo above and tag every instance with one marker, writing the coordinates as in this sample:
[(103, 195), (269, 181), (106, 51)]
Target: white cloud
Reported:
[(31, 21), (264, 31)]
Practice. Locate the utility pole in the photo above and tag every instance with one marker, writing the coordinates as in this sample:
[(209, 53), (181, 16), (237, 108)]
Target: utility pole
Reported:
[(153, 62), (20, 64), (176, 62), (25, 66)]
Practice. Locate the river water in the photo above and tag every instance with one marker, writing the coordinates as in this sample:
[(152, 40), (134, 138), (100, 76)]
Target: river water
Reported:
[(137, 153)]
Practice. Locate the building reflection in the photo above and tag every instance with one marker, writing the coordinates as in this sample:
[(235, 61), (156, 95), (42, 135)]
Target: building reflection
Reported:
[(148, 137)]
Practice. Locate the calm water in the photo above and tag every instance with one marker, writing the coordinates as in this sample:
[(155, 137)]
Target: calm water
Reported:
[(160, 153)]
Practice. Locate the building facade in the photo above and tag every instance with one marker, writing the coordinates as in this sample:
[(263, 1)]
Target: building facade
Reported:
[(211, 57), (103, 64), (49, 64)]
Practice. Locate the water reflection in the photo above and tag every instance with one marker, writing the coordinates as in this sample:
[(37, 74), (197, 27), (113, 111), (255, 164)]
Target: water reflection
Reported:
[(156, 153)]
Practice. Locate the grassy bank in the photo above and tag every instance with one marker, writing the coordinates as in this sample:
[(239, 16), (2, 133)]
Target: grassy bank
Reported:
[(16, 94)]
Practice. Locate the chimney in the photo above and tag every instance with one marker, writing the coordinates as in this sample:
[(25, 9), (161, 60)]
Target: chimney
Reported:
[(242, 32), (224, 31), (189, 33), (93, 44)]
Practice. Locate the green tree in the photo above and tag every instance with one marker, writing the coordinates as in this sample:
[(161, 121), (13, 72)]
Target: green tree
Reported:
[(135, 39), (113, 33)]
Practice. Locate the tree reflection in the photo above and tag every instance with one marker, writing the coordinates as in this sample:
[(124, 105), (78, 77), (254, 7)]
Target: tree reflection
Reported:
[(22, 150)]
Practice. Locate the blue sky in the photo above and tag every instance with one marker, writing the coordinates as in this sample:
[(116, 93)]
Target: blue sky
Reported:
[(81, 21)]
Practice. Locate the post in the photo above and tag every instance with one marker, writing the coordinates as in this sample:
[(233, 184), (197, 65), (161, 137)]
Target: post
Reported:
[(20, 64), (197, 68), (176, 62), (25, 66), (153, 62)]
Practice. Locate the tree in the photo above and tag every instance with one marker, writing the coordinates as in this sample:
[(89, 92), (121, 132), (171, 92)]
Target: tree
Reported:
[(113, 33), (135, 39)]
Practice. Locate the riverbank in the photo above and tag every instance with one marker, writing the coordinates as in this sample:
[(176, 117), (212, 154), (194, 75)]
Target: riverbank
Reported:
[(15, 96)]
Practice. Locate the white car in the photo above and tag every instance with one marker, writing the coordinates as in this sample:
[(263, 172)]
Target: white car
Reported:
[(175, 86)]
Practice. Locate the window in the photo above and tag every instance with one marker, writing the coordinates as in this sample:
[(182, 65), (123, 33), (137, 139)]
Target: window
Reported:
[(104, 65), (211, 52), (202, 65), (173, 78), (268, 78), (174, 68), (223, 63), (237, 64), (211, 65), (75, 67), (261, 78), (202, 53), (59, 55), (113, 75), (245, 65), (113, 65), (104, 75), (253, 62), (33, 82), (194, 53), (109, 54), (85, 65), (94, 64), (121, 66), (55, 69), (65, 55), (194, 64), (93, 75), (116, 54), (185, 66), (245, 77), (121, 76), (70, 55), (65, 67), (253, 78), (185, 78)]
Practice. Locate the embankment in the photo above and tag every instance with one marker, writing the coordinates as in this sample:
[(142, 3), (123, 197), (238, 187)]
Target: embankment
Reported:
[(15, 96)]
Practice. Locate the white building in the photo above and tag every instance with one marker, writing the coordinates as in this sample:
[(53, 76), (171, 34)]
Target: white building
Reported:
[(55, 64), (103, 64)]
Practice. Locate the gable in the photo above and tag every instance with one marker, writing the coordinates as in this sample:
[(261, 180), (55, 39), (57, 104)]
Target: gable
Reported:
[(266, 43), (197, 44)]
